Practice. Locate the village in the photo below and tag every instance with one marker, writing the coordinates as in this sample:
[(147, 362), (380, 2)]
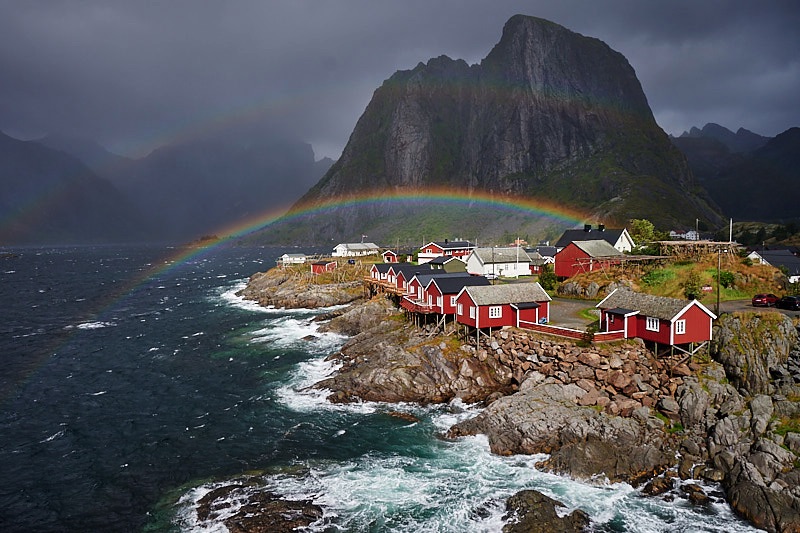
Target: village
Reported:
[(457, 287)]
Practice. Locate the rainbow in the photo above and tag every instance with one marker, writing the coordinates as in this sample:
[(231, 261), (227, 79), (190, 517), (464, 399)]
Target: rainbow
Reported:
[(561, 215), (538, 208)]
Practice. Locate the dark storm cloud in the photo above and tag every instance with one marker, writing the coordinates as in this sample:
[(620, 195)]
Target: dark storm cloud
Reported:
[(136, 74)]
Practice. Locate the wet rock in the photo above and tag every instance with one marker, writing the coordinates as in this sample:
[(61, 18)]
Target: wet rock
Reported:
[(658, 486), (255, 510), (530, 511), (695, 493)]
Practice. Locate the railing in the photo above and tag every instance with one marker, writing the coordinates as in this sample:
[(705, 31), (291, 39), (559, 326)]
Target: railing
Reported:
[(572, 333), (416, 306)]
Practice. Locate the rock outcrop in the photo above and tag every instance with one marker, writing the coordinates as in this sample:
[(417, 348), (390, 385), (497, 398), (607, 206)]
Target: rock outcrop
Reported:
[(530, 511), (276, 288)]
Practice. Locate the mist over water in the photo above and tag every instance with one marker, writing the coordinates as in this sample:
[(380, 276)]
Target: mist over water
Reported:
[(123, 405)]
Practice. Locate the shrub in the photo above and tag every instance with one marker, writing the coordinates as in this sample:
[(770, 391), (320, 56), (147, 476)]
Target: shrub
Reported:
[(726, 278), (691, 287), (548, 279)]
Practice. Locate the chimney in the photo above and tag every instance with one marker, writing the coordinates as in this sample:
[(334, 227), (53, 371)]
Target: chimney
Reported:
[(587, 228), (601, 227)]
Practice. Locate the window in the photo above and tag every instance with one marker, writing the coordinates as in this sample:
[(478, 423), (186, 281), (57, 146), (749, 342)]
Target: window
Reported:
[(471, 312), (460, 309), (496, 311), (652, 324), (680, 327), (453, 300), (439, 301)]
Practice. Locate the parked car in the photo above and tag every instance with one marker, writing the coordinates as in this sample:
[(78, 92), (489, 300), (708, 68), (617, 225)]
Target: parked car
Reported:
[(789, 302), (764, 300)]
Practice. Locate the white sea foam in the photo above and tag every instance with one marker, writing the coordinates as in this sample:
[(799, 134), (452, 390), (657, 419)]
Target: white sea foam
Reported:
[(54, 436), (94, 325), (457, 486)]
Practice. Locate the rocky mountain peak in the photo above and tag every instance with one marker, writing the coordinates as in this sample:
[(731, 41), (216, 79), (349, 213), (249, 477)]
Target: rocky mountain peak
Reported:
[(548, 114)]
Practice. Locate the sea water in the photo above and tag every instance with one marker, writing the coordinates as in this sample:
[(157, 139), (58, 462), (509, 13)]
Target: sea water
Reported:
[(135, 381)]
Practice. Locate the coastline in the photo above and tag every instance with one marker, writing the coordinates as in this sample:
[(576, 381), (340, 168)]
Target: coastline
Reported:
[(611, 412)]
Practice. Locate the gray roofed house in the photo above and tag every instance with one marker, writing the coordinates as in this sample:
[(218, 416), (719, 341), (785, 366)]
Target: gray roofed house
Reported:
[(647, 304), (508, 294), (508, 262)]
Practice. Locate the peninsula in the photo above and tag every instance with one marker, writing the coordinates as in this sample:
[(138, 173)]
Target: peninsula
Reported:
[(611, 411)]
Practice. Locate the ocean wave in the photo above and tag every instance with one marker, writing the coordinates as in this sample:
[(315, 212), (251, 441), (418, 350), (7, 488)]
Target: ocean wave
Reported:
[(93, 325)]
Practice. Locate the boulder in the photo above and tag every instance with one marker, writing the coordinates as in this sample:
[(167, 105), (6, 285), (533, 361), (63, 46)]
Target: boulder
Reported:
[(530, 511)]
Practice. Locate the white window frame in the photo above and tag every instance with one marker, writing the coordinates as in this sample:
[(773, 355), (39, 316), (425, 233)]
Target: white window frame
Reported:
[(472, 312), (496, 311), (680, 327), (460, 309), (652, 324), (452, 300)]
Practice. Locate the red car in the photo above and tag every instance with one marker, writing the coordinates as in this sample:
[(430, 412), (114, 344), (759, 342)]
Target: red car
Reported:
[(764, 300)]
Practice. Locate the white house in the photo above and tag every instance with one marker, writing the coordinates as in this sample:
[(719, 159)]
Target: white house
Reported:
[(507, 262), (293, 259), (356, 249)]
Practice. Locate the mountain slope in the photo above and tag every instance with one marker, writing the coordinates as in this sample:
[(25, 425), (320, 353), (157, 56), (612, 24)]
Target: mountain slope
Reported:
[(50, 197), (205, 186), (753, 185), (548, 114)]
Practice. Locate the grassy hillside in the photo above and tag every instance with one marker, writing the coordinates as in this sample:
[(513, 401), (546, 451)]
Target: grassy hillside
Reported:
[(746, 279)]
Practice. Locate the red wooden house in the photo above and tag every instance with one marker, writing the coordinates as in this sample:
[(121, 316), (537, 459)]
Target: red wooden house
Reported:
[(379, 271), (496, 306), (444, 291), (427, 291), (323, 266), (390, 256), (585, 256), (665, 321)]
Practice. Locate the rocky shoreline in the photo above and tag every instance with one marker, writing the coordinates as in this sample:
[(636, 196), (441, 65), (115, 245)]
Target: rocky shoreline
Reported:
[(613, 412)]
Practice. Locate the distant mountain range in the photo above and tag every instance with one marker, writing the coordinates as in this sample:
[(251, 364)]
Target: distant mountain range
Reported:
[(61, 189), (549, 117), (751, 177)]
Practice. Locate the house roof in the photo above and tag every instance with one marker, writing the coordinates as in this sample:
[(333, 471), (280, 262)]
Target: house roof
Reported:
[(526, 305), (322, 263), (597, 248), (502, 255), (442, 259), (783, 258), (451, 245), (383, 268), (455, 284), (647, 304), (507, 294), (358, 245), (425, 277), (611, 236), (545, 251), (294, 255), (409, 270)]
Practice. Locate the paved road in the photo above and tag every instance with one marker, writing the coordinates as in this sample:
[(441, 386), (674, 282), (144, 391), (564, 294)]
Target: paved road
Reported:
[(745, 305)]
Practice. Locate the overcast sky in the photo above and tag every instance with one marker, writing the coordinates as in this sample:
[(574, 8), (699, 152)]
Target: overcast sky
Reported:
[(134, 74)]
